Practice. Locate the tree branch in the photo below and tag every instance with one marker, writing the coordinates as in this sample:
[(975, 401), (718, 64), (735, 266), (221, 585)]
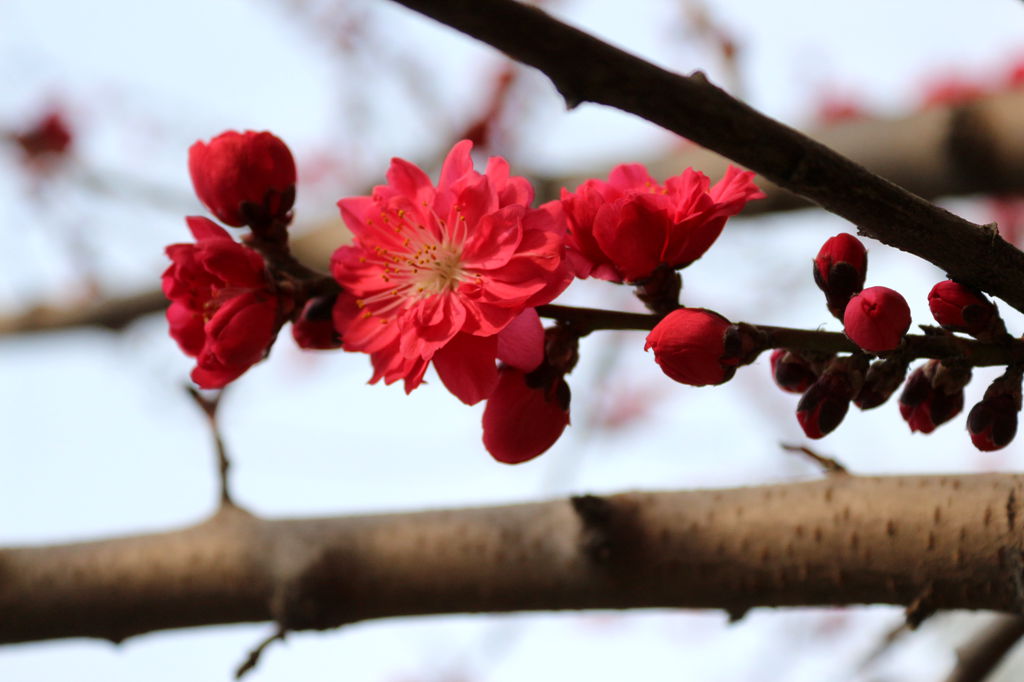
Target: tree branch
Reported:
[(915, 151), (586, 69), (971, 148), (985, 651), (842, 540), (941, 345)]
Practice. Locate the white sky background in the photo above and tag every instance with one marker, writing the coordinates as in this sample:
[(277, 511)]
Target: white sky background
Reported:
[(98, 437)]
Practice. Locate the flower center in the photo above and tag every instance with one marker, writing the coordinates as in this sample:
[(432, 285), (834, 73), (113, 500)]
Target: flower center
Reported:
[(428, 263), (437, 271)]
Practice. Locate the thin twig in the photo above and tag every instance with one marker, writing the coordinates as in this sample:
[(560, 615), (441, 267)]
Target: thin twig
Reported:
[(254, 656), (209, 407), (829, 465), (914, 346)]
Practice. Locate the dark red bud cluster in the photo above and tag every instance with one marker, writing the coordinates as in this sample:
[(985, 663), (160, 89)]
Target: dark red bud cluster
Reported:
[(877, 320)]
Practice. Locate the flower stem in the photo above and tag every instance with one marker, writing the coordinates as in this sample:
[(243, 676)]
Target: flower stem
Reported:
[(941, 346)]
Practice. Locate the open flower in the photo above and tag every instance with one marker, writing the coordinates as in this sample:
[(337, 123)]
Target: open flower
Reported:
[(621, 230), (439, 273), (223, 311)]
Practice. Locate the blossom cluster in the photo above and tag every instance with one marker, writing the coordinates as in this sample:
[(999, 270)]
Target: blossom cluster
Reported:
[(454, 275), (877, 319), (448, 275), (227, 302)]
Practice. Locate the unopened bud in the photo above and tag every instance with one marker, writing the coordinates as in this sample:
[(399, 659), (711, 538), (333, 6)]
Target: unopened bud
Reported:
[(992, 423), (960, 308), (245, 179), (876, 319), (689, 346), (525, 414), (933, 395), (839, 270), (881, 381), (823, 406), (314, 327), (791, 371)]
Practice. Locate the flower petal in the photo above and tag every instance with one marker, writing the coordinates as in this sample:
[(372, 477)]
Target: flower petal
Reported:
[(521, 422), (466, 366), (521, 343)]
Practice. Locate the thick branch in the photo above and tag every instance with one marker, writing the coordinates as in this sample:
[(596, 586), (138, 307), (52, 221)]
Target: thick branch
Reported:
[(972, 148), (843, 540), (586, 69)]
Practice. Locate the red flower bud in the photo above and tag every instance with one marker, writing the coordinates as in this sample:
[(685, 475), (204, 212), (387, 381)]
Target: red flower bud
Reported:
[(961, 308), (839, 270), (525, 414), (689, 346), (876, 319), (244, 178), (791, 372), (881, 381), (46, 141), (823, 406), (314, 327), (928, 401), (992, 423)]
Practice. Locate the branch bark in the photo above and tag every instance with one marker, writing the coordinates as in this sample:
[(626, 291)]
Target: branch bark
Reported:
[(585, 69), (932, 541), (971, 148)]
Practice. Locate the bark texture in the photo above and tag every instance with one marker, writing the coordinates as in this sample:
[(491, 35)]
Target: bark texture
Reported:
[(926, 542)]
